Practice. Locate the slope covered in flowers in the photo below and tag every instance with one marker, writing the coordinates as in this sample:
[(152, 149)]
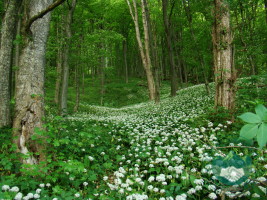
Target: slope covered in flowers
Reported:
[(168, 156), (145, 151)]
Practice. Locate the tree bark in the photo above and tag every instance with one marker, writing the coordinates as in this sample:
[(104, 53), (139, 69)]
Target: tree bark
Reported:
[(65, 71), (77, 88), (29, 108), (144, 51), (167, 27), (17, 51), (102, 78), (6, 46), (223, 59)]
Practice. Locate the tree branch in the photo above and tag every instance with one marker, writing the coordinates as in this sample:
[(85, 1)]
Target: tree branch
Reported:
[(41, 14), (238, 147)]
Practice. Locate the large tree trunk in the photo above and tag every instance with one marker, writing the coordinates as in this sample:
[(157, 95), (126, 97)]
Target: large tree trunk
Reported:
[(167, 27), (65, 71), (223, 59), (29, 108), (6, 46)]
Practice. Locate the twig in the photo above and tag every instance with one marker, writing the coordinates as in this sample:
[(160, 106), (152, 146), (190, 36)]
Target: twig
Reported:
[(41, 14), (238, 147)]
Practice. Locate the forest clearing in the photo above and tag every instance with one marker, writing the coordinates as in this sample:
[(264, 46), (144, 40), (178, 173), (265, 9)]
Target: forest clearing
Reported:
[(133, 99)]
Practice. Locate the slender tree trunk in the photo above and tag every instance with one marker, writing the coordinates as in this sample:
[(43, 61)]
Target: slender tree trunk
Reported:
[(77, 88), (149, 72), (167, 27), (125, 61), (196, 47), (6, 46), (102, 79), (65, 71), (185, 72), (59, 75), (59, 64), (144, 51), (223, 61)]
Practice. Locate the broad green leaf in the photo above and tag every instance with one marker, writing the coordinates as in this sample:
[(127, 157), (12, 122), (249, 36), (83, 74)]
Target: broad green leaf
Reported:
[(250, 118), (249, 131), (261, 111), (262, 135)]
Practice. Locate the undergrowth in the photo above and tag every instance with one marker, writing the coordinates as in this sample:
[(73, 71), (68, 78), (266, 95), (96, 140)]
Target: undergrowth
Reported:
[(143, 151)]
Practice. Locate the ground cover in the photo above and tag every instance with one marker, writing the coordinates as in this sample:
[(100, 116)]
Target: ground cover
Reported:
[(144, 151)]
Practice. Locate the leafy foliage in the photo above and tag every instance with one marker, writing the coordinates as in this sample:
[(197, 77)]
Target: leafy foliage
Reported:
[(257, 125), (143, 151)]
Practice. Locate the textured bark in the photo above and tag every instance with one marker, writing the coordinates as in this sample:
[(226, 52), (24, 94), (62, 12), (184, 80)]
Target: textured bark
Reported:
[(223, 61), (144, 51), (59, 75), (16, 53), (65, 71), (29, 108), (167, 27), (7, 36), (148, 65), (40, 14)]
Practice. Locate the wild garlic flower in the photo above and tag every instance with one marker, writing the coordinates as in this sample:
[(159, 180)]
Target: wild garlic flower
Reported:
[(14, 189), (18, 196), (199, 181), (5, 187), (212, 195)]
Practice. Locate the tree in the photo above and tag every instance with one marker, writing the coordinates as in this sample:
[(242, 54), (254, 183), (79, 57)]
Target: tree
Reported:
[(199, 57), (29, 96), (144, 48), (65, 71), (223, 56), (6, 45), (168, 33)]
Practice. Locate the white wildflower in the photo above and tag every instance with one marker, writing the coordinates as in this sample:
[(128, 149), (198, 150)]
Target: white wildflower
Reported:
[(5, 187), (212, 195), (14, 189), (18, 196)]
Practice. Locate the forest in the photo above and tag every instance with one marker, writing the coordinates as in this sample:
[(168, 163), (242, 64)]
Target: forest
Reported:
[(133, 99)]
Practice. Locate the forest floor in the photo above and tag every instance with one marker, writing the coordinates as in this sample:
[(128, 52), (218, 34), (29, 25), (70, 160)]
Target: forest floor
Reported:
[(142, 151)]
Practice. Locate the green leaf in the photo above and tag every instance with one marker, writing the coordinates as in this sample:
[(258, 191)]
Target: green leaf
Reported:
[(257, 190), (250, 118), (262, 135), (249, 131), (261, 111), (192, 179)]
